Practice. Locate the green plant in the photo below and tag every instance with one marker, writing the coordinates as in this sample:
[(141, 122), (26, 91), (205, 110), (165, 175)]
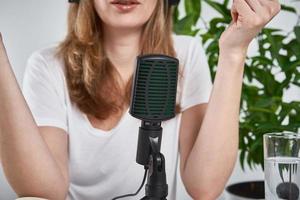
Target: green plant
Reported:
[(268, 74)]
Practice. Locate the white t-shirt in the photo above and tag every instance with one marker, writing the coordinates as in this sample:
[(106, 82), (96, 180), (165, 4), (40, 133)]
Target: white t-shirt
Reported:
[(102, 163)]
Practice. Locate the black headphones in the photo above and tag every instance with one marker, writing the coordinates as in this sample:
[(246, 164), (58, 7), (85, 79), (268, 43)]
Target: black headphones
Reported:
[(170, 2)]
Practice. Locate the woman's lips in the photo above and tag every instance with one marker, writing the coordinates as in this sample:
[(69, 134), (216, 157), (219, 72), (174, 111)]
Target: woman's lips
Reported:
[(125, 5)]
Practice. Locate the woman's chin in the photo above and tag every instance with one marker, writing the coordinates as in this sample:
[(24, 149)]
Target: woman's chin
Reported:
[(123, 25)]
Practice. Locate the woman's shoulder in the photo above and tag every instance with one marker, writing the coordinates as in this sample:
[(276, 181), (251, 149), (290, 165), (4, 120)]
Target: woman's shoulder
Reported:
[(47, 53), (44, 65), (187, 47), (47, 58), (185, 38), (186, 41), (45, 68)]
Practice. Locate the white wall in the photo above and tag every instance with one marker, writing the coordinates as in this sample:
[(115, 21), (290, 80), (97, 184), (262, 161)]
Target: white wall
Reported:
[(32, 24), (29, 25)]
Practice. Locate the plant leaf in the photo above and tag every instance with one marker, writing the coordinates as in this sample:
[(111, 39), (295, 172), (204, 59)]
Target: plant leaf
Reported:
[(288, 8), (297, 33), (193, 7), (184, 26)]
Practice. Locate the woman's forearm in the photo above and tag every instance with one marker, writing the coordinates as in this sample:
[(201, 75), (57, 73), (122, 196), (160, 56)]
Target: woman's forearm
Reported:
[(27, 162), (214, 153)]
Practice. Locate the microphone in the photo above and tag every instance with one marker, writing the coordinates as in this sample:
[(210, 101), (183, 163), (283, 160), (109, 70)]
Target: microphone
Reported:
[(153, 100), (154, 89), (153, 96)]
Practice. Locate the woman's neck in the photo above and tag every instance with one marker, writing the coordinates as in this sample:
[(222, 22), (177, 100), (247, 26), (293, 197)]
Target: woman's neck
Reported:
[(122, 46)]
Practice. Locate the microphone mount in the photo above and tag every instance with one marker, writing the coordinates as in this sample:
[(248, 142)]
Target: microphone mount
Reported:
[(149, 155)]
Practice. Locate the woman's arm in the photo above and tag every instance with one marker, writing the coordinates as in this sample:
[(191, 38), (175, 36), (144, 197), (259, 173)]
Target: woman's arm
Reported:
[(208, 155), (211, 160), (27, 161)]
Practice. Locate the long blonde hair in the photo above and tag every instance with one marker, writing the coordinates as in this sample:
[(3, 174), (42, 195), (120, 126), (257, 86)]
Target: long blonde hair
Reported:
[(91, 78)]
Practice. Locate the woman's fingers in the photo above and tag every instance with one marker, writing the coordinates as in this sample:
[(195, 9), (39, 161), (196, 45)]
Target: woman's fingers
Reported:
[(265, 9), (1, 45), (272, 6), (234, 13), (255, 5), (3, 56), (258, 8), (1, 41), (249, 17), (242, 8), (255, 13)]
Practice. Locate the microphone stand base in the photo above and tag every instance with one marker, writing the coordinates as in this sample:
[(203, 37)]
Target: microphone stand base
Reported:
[(153, 198)]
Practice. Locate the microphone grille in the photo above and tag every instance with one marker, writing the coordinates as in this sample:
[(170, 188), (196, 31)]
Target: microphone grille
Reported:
[(154, 88)]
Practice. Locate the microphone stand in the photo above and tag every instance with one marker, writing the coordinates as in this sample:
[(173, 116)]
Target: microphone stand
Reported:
[(149, 155)]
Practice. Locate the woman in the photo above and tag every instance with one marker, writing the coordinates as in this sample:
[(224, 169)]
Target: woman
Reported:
[(80, 142)]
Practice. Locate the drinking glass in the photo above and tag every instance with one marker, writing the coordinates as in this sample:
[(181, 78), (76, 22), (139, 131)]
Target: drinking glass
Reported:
[(282, 165)]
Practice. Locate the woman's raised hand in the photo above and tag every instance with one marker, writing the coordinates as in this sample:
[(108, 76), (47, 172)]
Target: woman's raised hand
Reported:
[(1, 45), (248, 18), (3, 55)]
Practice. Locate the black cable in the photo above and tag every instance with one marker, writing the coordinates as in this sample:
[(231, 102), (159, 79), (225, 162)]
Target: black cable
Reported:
[(131, 195)]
